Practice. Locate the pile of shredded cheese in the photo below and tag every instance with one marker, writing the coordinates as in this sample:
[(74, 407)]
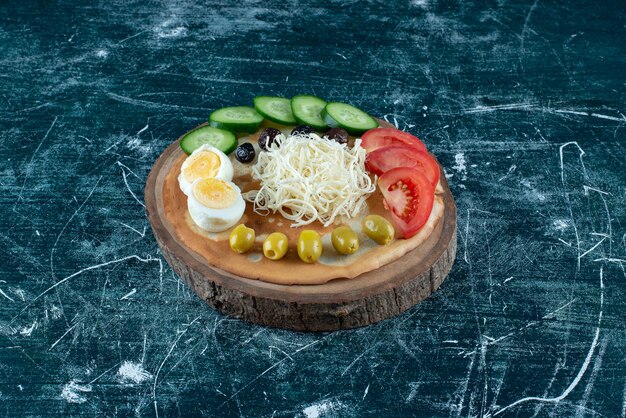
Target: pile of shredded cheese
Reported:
[(306, 178)]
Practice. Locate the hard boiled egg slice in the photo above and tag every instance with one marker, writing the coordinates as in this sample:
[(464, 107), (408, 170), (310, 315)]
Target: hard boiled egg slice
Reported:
[(205, 162), (215, 205)]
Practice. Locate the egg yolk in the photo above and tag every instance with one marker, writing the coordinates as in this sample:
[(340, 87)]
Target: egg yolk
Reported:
[(214, 193), (203, 165)]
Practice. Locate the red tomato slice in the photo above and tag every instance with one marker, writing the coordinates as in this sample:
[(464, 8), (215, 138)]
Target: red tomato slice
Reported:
[(409, 196), (382, 137), (392, 156)]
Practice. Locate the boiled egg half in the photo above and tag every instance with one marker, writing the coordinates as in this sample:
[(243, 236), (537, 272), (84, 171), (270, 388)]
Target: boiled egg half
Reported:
[(215, 204), (204, 162)]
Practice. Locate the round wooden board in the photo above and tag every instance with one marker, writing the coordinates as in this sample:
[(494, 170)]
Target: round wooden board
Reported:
[(338, 304)]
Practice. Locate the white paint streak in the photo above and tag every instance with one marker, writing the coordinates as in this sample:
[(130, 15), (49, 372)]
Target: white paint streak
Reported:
[(594, 115), (142, 129), (129, 294), (148, 259), (508, 173), (323, 408), (272, 347), (510, 106), (609, 227), (167, 29), (133, 372), (582, 370), (420, 3), (613, 118), (493, 341), (124, 174), (624, 402), (460, 165), (591, 249), (470, 368), (147, 103), (357, 358), (73, 392), (569, 244), (66, 224), (569, 203), (28, 331), (32, 159), (141, 234), (62, 336), (6, 296), (132, 36), (525, 29), (156, 376), (536, 108), (414, 388), (560, 224)]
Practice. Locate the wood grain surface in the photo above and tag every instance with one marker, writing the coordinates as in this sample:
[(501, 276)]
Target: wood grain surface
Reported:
[(522, 102), (339, 304)]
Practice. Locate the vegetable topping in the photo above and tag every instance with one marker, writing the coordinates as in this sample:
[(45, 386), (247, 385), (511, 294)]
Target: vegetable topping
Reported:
[(352, 119), (381, 137), (309, 246), (392, 156), (302, 130), (276, 109), (241, 239), (337, 134), (269, 137), (378, 229), (245, 153), (409, 195), (308, 111), (236, 119), (275, 246), (224, 141), (345, 240)]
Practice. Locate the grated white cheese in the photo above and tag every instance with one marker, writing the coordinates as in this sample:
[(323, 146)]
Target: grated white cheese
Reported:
[(306, 178)]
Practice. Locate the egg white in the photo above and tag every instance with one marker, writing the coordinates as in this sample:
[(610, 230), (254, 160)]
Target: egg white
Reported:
[(215, 220), (225, 172)]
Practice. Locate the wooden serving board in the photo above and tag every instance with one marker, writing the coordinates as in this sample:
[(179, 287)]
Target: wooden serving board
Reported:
[(339, 304)]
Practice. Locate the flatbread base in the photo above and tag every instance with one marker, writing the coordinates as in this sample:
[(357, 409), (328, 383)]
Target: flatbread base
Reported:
[(214, 248)]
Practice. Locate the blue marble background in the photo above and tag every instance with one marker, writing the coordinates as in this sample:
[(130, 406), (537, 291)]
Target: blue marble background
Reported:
[(522, 102)]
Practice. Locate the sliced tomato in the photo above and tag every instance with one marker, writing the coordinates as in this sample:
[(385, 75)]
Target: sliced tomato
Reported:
[(384, 159), (382, 137), (409, 196)]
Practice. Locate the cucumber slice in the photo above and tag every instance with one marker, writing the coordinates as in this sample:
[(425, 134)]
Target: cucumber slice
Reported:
[(348, 117), (236, 119), (224, 141), (308, 111), (276, 109)]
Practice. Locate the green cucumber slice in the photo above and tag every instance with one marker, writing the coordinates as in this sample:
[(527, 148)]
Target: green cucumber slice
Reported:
[(276, 109), (308, 111), (348, 117), (224, 141), (236, 119)]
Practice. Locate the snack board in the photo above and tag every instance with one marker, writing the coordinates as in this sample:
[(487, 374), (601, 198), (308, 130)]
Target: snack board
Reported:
[(317, 284)]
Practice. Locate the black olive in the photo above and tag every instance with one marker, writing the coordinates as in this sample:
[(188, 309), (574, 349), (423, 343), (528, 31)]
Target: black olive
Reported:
[(302, 130), (245, 153), (268, 137), (337, 134)]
